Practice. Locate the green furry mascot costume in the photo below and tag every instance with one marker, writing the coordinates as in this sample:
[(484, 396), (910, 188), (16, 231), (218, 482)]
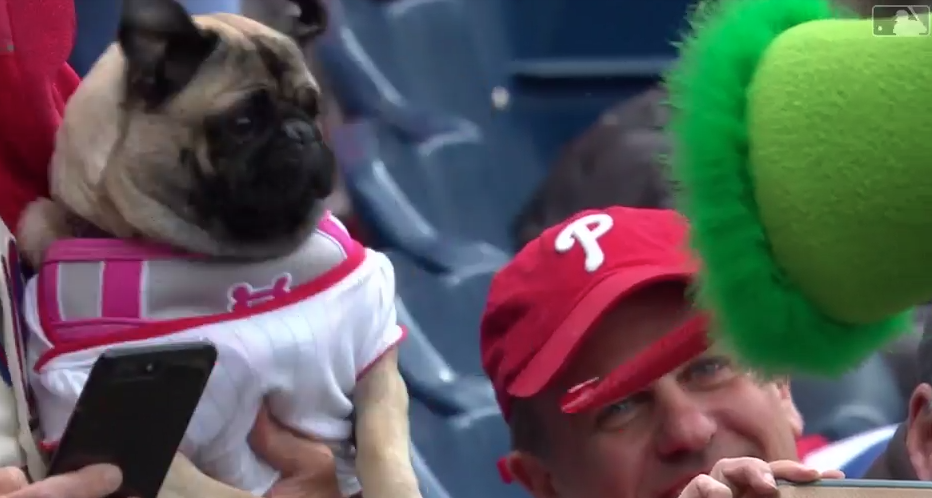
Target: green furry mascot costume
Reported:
[(801, 140)]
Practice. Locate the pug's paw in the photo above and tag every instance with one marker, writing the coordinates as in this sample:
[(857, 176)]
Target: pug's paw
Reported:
[(42, 223)]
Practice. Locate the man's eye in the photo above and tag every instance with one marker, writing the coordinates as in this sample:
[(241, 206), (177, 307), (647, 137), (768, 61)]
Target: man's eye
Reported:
[(706, 371), (621, 411)]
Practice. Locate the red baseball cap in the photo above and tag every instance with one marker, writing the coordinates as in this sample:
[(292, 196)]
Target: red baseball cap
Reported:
[(541, 304)]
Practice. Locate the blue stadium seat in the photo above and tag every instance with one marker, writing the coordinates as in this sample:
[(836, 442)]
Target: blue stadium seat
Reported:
[(446, 307), (403, 196), (573, 60), (593, 30), (861, 400), (462, 451), (555, 100), (440, 400), (462, 181), (448, 55), (358, 82), (430, 378), (358, 59), (488, 156), (484, 180), (427, 481), (456, 428), (432, 131)]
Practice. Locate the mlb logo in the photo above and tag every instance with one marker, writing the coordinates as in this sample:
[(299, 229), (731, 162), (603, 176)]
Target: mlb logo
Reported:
[(900, 20)]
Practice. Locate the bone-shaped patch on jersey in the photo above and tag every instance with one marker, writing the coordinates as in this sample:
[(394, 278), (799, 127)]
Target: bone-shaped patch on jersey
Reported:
[(243, 296)]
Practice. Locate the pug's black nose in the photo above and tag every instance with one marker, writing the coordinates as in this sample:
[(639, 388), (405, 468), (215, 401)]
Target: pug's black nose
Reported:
[(299, 130)]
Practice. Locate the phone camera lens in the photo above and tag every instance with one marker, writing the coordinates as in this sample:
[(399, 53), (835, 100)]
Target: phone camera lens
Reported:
[(149, 368)]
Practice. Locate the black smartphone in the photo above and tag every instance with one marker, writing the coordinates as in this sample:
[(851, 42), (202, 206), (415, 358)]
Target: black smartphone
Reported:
[(133, 412)]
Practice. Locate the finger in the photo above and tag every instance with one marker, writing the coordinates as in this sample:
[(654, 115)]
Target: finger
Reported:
[(746, 474), (95, 481), (12, 479), (274, 444), (794, 471), (833, 474), (704, 486)]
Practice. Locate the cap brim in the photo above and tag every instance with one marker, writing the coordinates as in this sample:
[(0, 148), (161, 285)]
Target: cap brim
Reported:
[(663, 356), (589, 309)]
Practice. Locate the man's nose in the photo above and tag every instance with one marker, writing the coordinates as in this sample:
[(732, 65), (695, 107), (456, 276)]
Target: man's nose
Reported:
[(684, 426)]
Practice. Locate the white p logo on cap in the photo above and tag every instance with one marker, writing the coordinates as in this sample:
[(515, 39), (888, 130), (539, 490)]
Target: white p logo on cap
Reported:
[(586, 231)]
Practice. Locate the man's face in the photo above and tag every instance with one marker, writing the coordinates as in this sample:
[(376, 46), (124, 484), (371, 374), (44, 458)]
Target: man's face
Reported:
[(650, 444)]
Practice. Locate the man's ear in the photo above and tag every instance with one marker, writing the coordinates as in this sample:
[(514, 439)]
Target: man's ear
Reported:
[(792, 414), (163, 47), (919, 431), (531, 473)]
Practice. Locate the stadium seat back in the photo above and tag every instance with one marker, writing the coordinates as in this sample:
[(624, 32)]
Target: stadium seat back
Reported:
[(861, 400), (447, 308), (463, 451), (574, 60)]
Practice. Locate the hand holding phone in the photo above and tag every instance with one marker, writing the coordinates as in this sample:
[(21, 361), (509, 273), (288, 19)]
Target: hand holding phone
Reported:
[(133, 412)]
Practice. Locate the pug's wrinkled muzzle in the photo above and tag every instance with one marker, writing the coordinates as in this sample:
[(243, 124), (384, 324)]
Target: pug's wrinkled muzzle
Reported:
[(300, 131), (270, 191)]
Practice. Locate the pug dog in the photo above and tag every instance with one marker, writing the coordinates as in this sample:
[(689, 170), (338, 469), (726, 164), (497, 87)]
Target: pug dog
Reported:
[(187, 185)]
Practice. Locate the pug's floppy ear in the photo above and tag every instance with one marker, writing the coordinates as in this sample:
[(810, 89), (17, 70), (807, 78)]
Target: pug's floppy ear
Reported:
[(312, 21), (163, 48)]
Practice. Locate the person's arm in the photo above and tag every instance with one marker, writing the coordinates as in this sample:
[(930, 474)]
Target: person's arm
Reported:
[(380, 398), (383, 455)]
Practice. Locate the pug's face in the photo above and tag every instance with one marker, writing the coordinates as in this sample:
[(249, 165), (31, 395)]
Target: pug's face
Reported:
[(221, 151)]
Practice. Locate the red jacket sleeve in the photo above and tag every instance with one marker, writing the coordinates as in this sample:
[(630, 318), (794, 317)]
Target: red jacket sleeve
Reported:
[(35, 82)]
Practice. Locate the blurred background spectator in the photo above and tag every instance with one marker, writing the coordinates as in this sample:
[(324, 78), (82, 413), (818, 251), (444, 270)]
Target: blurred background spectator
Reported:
[(617, 161)]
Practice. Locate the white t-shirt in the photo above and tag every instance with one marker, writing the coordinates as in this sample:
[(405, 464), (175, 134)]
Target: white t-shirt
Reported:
[(315, 330)]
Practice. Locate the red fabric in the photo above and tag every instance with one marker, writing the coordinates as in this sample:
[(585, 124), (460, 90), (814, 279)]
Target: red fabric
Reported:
[(807, 444), (36, 38), (543, 302), (663, 356)]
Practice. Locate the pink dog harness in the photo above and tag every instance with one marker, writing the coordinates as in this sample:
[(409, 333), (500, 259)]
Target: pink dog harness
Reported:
[(99, 288)]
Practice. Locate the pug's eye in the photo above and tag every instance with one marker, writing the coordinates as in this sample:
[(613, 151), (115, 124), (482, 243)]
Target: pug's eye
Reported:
[(255, 113), (243, 125)]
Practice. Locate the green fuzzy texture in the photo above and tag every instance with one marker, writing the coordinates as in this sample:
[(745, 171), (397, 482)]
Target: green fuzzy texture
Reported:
[(841, 182), (762, 315)]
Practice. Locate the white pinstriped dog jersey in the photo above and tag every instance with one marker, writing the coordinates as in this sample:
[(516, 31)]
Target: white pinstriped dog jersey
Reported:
[(297, 331)]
